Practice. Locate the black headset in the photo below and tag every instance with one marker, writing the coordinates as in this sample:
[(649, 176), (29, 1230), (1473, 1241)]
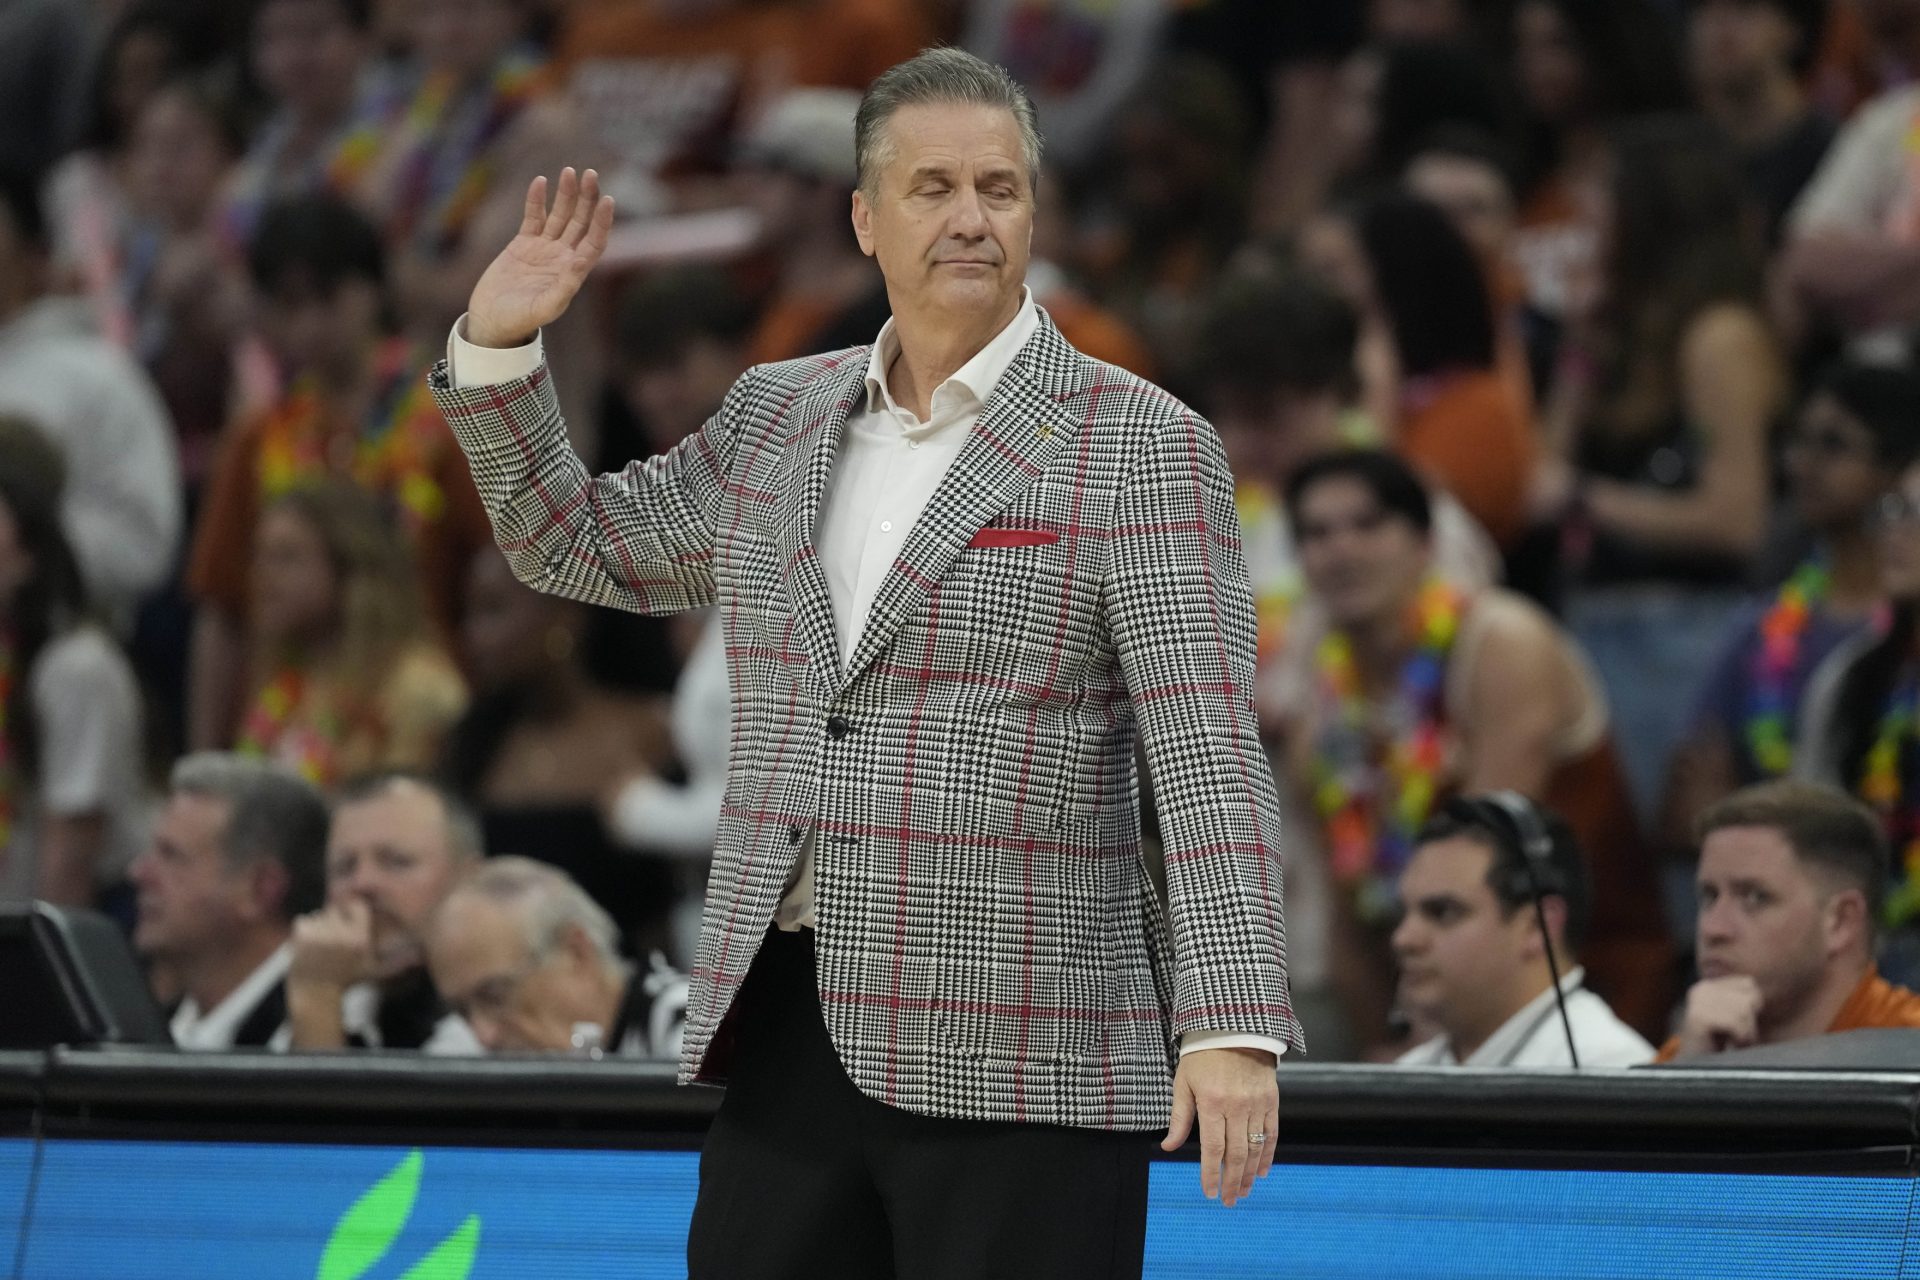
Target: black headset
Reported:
[(1518, 822)]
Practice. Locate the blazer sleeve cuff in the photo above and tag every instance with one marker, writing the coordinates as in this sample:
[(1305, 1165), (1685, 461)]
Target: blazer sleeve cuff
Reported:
[(1194, 1041), (472, 366)]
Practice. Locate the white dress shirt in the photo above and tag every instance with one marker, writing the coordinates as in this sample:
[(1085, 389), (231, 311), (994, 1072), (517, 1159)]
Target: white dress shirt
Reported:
[(1534, 1038), (887, 467), (216, 1028)]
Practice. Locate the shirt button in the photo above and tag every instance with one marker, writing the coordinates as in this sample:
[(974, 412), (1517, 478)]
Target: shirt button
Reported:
[(837, 727), (913, 444), (886, 526)]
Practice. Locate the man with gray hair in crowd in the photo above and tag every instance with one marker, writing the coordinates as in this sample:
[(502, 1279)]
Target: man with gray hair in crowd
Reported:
[(235, 856), (533, 964), (398, 842)]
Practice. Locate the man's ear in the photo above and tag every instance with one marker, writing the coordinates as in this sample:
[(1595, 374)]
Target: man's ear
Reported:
[(1555, 908), (863, 222), (267, 886), (579, 948), (1847, 924)]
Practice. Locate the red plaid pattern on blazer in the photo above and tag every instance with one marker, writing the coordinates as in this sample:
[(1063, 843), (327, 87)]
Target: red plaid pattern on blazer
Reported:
[(990, 945)]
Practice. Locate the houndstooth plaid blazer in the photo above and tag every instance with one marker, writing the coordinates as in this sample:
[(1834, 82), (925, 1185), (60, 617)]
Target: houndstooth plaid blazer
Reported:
[(990, 945)]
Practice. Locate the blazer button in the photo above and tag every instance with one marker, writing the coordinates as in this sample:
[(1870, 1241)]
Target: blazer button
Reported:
[(837, 727), (795, 835)]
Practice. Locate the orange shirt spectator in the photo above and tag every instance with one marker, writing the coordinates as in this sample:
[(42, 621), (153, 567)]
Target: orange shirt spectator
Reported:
[(1467, 433), (1874, 1003)]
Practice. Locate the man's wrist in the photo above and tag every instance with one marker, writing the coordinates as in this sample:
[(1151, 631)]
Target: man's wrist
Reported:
[(482, 335)]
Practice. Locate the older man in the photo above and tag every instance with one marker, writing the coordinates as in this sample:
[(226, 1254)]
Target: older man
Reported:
[(236, 855), (359, 977), (959, 572), (532, 963)]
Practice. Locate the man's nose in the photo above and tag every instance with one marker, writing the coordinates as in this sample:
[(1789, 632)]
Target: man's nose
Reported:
[(968, 217), (1406, 936)]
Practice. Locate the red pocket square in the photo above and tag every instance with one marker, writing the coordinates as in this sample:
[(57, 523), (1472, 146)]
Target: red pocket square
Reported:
[(1014, 538)]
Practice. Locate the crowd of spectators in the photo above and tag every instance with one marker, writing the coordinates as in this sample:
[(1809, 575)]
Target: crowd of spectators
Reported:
[(1564, 351)]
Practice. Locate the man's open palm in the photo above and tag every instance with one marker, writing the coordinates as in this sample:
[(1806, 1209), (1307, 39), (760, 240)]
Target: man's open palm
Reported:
[(536, 276)]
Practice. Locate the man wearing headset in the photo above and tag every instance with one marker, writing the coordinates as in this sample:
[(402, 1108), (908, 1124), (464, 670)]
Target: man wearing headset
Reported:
[(1496, 902)]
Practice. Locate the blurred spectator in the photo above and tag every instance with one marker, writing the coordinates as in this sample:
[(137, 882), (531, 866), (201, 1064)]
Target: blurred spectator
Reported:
[(533, 964), (1582, 66), (1420, 690), (122, 505), (1395, 94), (1469, 177), (1171, 205), (1080, 59), (680, 819), (356, 407), (358, 977), (665, 85), (1857, 432), (1858, 727), (150, 44), (684, 337), (43, 55), (73, 804), (1748, 61), (1474, 960), (346, 676), (1854, 235), (543, 742), (1428, 313), (1419, 19), (1659, 418), (1792, 881), (449, 184), (313, 60), (1280, 387), (183, 293), (237, 854), (796, 169)]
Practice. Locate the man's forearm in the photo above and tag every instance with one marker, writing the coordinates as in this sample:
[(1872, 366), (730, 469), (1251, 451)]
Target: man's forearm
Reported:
[(316, 1014)]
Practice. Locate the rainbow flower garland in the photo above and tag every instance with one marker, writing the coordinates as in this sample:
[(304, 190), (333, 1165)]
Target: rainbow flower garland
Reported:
[(394, 453), (448, 169), (1884, 787), (1776, 664), (1373, 796)]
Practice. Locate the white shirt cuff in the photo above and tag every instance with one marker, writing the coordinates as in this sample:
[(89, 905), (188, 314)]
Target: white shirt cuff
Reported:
[(471, 366), (1197, 1040)]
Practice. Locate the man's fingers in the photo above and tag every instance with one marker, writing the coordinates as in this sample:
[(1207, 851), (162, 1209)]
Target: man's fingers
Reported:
[(1182, 1116), (536, 213), (1213, 1149), (564, 197), (1272, 1129), (583, 209), (1237, 1126), (601, 227)]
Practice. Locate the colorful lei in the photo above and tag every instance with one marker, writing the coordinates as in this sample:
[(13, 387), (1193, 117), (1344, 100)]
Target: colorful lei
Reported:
[(1777, 663)]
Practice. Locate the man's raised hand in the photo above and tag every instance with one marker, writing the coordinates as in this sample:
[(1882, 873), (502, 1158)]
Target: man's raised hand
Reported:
[(535, 277)]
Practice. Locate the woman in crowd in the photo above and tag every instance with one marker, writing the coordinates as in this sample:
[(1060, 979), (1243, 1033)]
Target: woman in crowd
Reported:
[(1658, 421), (72, 785), (544, 741), (346, 676), (1582, 66), (1429, 356)]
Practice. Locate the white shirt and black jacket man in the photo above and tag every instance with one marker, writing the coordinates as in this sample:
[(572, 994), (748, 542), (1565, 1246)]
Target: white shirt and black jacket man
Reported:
[(1474, 961), (959, 573)]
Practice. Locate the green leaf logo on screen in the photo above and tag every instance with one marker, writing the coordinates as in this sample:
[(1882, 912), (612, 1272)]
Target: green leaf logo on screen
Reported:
[(373, 1222)]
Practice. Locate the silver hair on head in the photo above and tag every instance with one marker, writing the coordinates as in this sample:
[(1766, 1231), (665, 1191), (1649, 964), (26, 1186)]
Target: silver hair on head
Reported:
[(546, 902), (938, 76)]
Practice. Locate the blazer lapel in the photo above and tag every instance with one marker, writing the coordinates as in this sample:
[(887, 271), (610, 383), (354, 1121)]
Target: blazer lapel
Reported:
[(806, 462), (1019, 432)]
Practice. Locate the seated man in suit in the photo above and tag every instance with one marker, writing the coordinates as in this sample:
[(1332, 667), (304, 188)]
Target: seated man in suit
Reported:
[(1792, 881), (359, 976), (1474, 960), (235, 856), (532, 963)]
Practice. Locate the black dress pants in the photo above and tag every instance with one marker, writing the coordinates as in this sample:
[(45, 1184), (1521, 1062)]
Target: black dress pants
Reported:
[(804, 1177)]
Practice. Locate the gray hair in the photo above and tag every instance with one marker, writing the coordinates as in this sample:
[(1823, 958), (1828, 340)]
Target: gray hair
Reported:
[(944, 76), (465, 838), (273, 814), (546, 902)]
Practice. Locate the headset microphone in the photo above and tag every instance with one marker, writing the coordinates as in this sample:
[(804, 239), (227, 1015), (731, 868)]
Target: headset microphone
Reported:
[(1536, 849)]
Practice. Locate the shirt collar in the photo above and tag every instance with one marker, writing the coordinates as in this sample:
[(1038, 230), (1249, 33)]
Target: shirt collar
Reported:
[(1504, 1042), (975, 379), (217, 1027)]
